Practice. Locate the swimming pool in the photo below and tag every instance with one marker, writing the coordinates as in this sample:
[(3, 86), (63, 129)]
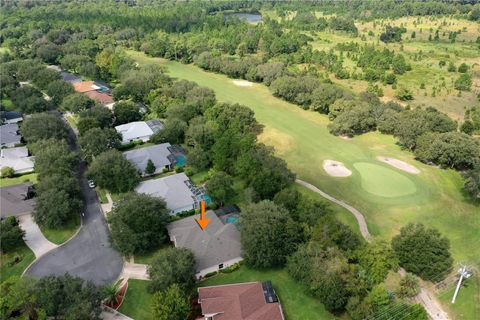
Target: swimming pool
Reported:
[(207, 199), (180, 160), (232, 219)]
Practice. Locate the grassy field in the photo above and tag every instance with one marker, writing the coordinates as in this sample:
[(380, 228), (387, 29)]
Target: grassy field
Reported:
[(6, 271), (59, 236), (138, 301), (296, 304), (32, 177), (464, 307)]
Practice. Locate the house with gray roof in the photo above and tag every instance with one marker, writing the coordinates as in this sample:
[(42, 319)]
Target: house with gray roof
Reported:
[(215, 248), (7, 117), (176, 190), (16, 200), (138, 130), (160, 155), (18, 159), (9, 136)]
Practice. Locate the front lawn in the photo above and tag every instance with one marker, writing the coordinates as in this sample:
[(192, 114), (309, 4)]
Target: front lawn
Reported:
[(147, 258), (32, 177), (295, 302), (137, 302), (7, 266), (59, 236)]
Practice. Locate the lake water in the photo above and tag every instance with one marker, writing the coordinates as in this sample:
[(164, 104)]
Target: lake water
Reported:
[(249, 17)]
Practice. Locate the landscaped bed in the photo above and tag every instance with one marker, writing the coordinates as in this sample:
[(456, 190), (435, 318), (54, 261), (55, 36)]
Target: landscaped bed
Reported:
[(9, 268)]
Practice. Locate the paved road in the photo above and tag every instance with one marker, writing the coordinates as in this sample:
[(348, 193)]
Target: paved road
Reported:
[(89, 254), (34, 238), (425, 297)]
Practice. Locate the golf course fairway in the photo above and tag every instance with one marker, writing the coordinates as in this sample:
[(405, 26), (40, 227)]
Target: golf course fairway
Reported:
[(388, 197)]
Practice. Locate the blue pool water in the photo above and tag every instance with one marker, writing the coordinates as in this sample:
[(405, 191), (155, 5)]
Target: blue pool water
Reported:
[(207, 199), (232, 219), (180, 160)]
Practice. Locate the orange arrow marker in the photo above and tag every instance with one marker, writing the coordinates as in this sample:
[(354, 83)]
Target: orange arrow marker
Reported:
[(203, 222)]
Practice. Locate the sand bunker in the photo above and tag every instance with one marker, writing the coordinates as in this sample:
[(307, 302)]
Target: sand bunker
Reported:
[(242, 83), (336, 169), (399, 164)]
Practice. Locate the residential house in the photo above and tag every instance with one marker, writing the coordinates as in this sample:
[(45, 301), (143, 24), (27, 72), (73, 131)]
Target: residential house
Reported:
[(100, 97), (16, 200), (8, 117), (160, 154), (138, 130), (18, 159), (9, 136), (85, 86), (176, 190), (215, 248), (240, 301)]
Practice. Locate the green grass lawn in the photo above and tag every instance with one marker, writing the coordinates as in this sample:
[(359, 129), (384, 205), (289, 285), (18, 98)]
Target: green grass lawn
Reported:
[(295, 303), (32, 177), (138, 301), (466, 305), (102, 195), (7, 271), (72, 120), (59, 236), (147, 257)]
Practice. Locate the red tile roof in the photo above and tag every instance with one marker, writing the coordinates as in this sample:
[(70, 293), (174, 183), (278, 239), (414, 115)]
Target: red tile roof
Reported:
[(244, 301), (84, 86), (100, 97)]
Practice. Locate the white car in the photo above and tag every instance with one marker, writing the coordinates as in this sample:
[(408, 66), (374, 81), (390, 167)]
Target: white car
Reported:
[(91, 184)]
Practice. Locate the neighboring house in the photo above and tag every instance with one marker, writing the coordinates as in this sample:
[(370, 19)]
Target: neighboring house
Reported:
[(68, 77), (16, 200), (8, 117), (160, 155), (176, 190), (9, 136), (138, 130), (85, 86), (241, 301), (17, 158), (216, 247), (100, 97)]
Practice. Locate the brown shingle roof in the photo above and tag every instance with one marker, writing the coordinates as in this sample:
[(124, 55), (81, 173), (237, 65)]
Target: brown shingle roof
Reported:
[(100, 97), (84, 86), (243, 301)]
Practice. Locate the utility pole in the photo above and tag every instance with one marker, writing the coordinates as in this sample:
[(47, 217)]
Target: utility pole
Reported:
[(464, 273)]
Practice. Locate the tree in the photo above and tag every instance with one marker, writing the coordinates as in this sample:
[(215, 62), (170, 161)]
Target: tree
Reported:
[(404, 94), (29, 100), (125, 112), (43, 126), (173, 132), (76, 103), (324, 96), (472, 182), (19, 299), (96, 117), (423, 251), (220, 187), (393, 34), (58, 180), (150, 168), (409, 286), (330, 232), (172, 266), (53, 156), (269, 235), (69, 298), (377, 259), (111, 294), (139, 232), (11, 235), (353, 121), (59, 89), (54, 208), (171, 304), (463, 68), (111, 171), (49, 52), (7, 172), (96, 141), (198, 158), (463, 82)]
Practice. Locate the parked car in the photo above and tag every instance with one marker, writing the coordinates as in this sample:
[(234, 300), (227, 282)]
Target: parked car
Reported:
[(91, 184)]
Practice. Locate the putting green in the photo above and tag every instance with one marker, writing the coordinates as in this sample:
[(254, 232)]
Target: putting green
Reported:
[(384, 182)]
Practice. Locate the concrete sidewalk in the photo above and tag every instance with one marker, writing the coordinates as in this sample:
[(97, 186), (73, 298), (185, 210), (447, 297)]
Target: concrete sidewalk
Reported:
[(34, 238), (134, 271)]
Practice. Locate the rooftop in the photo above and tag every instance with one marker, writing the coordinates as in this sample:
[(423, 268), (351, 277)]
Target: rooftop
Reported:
[(16, 158), (242, 301), (134, 130), (216, 244), (100, 97), (9, 134), (13, 200), (85, 86), (172, 188), (159, 154), (10, 115), (69, 77)]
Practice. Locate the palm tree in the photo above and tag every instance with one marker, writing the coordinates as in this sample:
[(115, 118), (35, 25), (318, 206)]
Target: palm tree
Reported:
[(110, 293)]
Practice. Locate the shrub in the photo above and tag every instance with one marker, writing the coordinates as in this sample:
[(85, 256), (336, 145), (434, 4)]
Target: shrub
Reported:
[(7, 172), (230, 269), (211, 274)]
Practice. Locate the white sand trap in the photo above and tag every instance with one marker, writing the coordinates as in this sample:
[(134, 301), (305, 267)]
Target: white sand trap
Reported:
[(399, 164), (336, 169), (242, 83)]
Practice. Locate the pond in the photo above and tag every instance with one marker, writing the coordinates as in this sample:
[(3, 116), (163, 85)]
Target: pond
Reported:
[(249, 17)]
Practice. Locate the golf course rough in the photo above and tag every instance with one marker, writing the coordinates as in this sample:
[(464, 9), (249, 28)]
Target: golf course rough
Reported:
[(384, 182)]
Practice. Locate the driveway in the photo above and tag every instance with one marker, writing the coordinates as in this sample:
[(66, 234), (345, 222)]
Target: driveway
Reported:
[(89, 254), (34, 238)]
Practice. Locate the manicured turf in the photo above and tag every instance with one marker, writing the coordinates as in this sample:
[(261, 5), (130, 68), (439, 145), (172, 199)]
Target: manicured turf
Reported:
[(296, 304), (59, 236), (383, 182), (466, 305), (32, 177), (7, 271), (138, 301), (303, 140)]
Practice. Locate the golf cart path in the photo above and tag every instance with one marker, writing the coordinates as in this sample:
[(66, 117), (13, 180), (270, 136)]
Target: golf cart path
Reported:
[(34, 237), (358, 215), (424, 297)]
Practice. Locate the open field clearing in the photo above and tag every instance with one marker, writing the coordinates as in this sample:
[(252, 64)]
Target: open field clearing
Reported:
[(437, 201)]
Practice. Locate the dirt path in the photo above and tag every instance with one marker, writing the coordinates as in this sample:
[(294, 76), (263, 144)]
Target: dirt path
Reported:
[(425, 297)]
